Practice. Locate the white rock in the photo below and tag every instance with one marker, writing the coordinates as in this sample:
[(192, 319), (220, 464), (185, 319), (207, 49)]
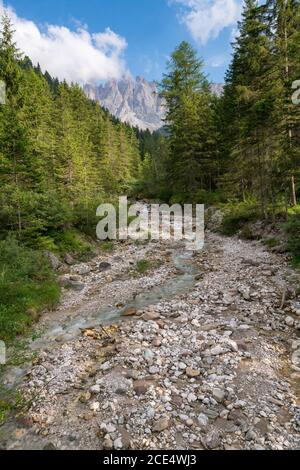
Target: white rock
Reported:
[(289, 321), (191, 398), (118, 444), (203, 420), (95, 406), (95, 389)]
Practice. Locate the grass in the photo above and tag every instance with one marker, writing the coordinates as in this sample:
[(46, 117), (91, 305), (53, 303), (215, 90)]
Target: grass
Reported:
[(292, 228), (11, 403), (107, 246), (237, 217), (143, 265), (27, 287), (270, 242)]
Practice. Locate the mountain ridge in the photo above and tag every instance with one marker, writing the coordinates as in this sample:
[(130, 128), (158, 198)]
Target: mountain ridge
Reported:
[(134, 100)]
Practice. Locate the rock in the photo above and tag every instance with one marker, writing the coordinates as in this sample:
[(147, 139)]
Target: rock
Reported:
[(151, 316), (296, 358), (69, 260), (54, 261), (161, 425), (245, 293), (251, 435), (213, 440), (95, 406), (118, 444), (129, 312), (192, 372), (126, 439), (289, 321), (108, 443), (156, 342), (95, 389), (111, 428), (82, 269), (203, 420), (104, 266), (141, 386), (218, 394), (211, 414), (217, 350), (153, 370), (191, 398), (75, 285)]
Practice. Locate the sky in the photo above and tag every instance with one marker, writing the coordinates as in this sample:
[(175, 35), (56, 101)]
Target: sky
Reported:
[(88, 41)]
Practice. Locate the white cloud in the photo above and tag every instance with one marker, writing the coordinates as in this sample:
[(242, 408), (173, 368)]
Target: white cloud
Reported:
[(218, 60), (206, 19), (77, 56)]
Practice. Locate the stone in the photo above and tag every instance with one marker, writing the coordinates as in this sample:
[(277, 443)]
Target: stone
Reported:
[(151, 316), (140, 387), (108, 443), (296, 358), (53, 260), (289, 321), (74, 285), (111, 428), (251, 435), (161, 425), (129, 312), (203, 420), (192, 373), (118, 444), (95, 389), (213, 441), (104, 266), (191, 398), (82, 269), (156, 342), (95, 406), (69, 260), (218, 394), (217, 350)]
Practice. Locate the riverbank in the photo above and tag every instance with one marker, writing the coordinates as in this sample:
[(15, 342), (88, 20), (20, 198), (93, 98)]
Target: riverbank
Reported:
[(213, 366)]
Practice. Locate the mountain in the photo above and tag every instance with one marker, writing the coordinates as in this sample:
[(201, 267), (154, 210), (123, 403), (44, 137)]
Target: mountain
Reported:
[(217, 88), (134, 101)]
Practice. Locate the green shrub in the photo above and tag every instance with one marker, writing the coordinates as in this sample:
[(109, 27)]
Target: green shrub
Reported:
[(143, 265), (27, 286), (293, 230), (236, 217)]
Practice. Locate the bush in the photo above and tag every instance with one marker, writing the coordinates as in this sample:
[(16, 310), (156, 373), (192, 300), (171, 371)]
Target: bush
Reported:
[(236, 217), (27, 286), (293, 229)]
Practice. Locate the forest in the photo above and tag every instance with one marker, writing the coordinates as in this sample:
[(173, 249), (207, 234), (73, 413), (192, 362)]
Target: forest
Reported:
[(61, 154)]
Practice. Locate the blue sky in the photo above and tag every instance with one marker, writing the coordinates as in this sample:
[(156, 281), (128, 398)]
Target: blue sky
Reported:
[(133, 35)]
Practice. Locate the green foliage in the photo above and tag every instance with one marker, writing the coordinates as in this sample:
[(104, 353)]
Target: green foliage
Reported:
[(27, 286), (143, 265), (293, 229), (236, 218), (270, 242), (107, 246)]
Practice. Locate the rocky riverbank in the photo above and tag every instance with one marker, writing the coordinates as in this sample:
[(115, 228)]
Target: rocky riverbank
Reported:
[(214, 366)]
